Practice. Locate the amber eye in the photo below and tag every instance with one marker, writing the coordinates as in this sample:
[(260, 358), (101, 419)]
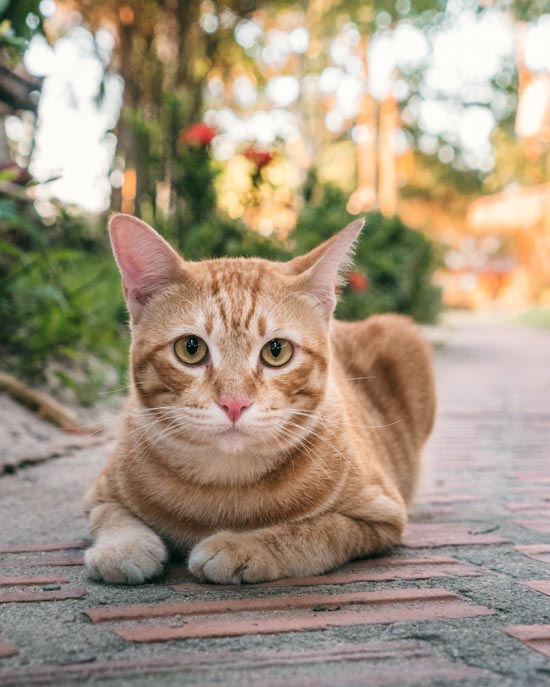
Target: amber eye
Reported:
[(277, 352), (191, 349)]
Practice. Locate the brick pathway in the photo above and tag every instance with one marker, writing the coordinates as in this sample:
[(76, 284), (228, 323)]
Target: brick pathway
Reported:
[(465, 601)]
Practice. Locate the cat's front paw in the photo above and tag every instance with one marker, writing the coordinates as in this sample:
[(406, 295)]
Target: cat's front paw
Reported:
[(120, 559), (232, 558)]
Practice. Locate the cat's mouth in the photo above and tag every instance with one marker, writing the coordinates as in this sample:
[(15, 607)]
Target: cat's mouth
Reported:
[(232, 440), (233, 433)]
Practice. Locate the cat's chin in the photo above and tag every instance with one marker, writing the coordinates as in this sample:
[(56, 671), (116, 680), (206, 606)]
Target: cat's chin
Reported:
[(232, 441)]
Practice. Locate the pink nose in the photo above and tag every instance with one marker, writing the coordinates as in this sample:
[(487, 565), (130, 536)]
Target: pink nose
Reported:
[(233, 407)]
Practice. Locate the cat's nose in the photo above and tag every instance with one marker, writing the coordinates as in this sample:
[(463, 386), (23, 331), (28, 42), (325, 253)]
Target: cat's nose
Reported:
[(233, 406)]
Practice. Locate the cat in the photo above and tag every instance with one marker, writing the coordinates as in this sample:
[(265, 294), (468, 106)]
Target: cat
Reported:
[(261, 436)]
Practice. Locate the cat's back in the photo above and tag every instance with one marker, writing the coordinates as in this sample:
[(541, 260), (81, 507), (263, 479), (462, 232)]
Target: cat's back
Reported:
[(388, 383)]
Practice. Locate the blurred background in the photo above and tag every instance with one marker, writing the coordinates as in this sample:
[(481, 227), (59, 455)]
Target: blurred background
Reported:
[(241, 127)]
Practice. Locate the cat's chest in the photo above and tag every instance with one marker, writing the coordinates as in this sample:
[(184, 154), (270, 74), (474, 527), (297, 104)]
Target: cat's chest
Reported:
[(186, 512), (234, 507)]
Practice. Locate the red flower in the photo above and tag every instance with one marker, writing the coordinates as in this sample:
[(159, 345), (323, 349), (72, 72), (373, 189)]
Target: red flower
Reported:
[(198, 134), (261, 158), (358, 281)]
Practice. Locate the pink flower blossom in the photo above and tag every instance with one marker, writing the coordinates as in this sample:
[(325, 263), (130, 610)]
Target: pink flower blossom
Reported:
[(261, 158), (358, 281), (198, 134)]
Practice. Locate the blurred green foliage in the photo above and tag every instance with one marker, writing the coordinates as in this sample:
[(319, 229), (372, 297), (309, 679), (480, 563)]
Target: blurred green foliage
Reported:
[(534, 317), (60, 303), (397, 261), (220, 237), (19, 21)]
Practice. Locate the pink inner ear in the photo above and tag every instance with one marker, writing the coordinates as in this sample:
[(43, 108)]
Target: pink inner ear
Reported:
[(331, 260), (147, 263)]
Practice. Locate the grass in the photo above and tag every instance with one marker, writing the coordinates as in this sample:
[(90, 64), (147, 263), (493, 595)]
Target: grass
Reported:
[(534, 317)]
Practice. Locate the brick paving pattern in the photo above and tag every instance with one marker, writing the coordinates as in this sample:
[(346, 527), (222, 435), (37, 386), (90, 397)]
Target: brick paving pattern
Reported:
[(464, 601)]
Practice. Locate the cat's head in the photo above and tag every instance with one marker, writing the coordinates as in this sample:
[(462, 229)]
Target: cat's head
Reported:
[(230, 355)]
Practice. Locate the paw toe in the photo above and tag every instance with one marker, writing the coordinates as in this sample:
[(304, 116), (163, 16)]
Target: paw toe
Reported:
[(227, 558), (125, 562)]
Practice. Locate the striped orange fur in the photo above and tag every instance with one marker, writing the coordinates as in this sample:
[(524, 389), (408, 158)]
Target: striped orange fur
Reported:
[(256, 472)]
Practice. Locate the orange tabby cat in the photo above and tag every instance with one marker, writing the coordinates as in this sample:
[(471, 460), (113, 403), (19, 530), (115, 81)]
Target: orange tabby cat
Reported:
[(260, 435)]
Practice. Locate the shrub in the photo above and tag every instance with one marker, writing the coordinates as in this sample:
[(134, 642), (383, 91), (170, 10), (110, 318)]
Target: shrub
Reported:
[(60, 302), (393, 263), (219, 237)]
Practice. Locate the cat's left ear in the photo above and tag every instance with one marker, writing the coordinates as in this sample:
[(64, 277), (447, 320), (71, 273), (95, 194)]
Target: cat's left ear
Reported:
[(323, 269), (146, 261)]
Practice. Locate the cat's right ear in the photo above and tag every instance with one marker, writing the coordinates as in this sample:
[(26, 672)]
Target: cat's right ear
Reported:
[(146, 261), (322, 270)]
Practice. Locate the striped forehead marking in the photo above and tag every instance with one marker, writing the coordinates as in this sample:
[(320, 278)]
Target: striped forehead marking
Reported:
[(235, 289)]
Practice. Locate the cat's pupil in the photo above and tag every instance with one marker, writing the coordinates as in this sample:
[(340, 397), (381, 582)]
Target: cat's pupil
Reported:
[(192, 345), (275, 348)]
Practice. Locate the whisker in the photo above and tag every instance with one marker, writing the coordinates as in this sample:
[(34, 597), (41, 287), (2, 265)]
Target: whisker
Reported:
[(348, 424), (113, 391), (333, 448), (353, 379)]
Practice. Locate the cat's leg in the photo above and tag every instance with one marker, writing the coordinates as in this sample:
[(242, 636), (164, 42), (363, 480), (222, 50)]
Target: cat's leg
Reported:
[(125, 550), (308, 547)]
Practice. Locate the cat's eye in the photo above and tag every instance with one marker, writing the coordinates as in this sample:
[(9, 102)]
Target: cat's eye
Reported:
[(191, 349), (277, 352)]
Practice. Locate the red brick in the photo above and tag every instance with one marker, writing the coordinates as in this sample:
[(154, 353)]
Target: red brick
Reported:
[(58, 546), (524, 489), (51, 561), (449, 499), (375, 570), (536, 525), (7, 649), (542, 586), (539, 552), (536, 477), (26, 597), (45, 561), (402, 564), (538, 508), (306, 620), (387, 657), (429, 671), (273, 603), (376, 650), (536, 637), (447, 534), (29, 580)]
